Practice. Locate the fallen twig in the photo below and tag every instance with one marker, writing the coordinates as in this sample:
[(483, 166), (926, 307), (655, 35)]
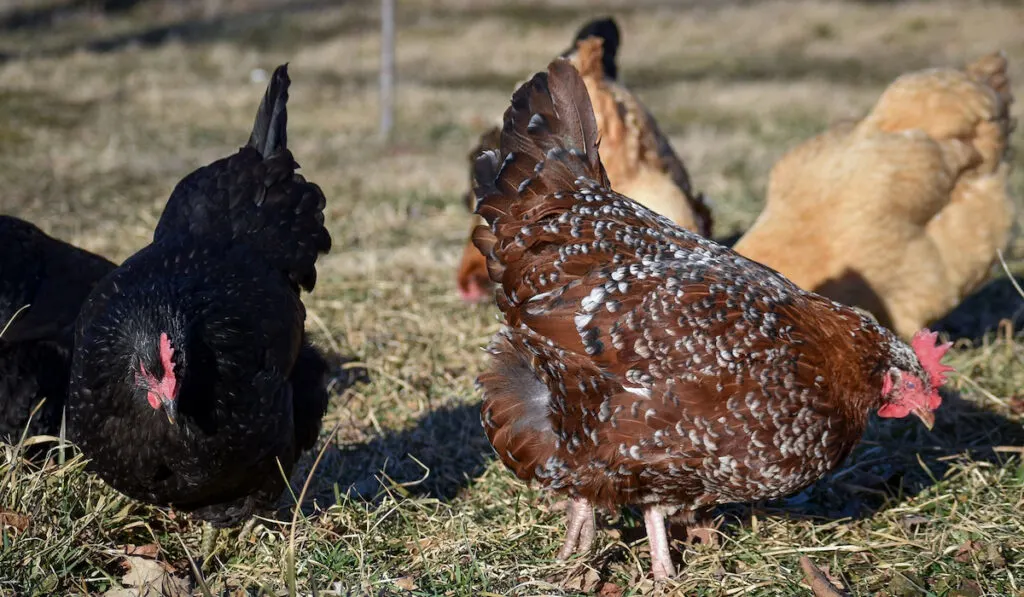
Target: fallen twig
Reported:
[(821, 586)]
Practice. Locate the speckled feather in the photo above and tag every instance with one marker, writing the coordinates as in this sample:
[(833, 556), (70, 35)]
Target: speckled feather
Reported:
[(640, 362), (236, 242), (51, 278)]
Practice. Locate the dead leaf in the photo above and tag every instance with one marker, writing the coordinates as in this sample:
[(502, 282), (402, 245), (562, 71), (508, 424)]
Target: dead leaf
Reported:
[(149, 550), (966, 550), (820, 584), (610, 589), (582, 578), (19, 522), (994, 556), (912, 522), (968, 588), (406, 583), (146, 577)]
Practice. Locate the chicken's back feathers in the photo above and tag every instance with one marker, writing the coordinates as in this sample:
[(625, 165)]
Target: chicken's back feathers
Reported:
[(52, 276), (954, 108), (904, 210), (255, 198), (43, 282)]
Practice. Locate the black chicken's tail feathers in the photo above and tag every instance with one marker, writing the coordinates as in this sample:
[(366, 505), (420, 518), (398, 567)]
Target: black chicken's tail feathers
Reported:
[(288, 222), (548, 140), (270, 131), (255, 198)]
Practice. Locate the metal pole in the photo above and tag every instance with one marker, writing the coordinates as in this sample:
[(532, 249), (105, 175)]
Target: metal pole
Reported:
[(387, 68)]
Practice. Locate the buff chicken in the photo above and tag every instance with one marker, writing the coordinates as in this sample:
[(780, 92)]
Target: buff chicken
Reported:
[(637, 155), (903, 211), (643, 364)]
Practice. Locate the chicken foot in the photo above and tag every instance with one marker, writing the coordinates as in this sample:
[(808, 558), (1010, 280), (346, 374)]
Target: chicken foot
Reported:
[(579, 528), (657, 536)]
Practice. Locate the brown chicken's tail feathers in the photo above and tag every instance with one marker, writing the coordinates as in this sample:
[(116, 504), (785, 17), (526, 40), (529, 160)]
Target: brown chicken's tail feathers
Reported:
[(270, 131), (548, 140)]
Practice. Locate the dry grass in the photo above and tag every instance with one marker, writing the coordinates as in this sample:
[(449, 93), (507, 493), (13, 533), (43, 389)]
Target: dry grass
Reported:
[(95, 129)]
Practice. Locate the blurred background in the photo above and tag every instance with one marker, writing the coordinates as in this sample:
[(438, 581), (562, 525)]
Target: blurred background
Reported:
[(105, 104)]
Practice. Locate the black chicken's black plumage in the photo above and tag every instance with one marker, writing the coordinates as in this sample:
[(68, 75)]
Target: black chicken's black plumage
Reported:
[(192, 376), (43, 282)]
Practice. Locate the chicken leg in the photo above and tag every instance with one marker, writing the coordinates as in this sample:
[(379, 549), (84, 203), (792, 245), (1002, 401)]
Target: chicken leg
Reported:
[(657, 537), (579, 528)]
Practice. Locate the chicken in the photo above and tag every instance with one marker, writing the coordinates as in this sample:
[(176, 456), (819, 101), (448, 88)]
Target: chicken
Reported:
[(642, 364), (904, 211), (193, 384), (43, 282), (638, 157), (471, 279)]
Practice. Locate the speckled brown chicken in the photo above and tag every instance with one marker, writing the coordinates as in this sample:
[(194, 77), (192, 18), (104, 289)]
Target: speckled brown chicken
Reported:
[(638, 157), (642, 364)]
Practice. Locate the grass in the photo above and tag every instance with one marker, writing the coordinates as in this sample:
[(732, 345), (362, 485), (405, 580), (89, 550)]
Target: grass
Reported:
[(101, 113)]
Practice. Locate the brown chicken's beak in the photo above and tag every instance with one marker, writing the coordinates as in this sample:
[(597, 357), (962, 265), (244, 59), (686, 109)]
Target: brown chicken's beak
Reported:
[(926, 415), (170, 409)]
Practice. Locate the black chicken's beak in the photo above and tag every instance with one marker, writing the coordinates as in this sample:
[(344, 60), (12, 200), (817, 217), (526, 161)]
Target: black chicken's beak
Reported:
[(170, 409), (926, 415)]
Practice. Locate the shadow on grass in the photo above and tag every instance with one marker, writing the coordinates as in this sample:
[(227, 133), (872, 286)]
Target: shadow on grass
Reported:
[(982, 312), (435, 457)]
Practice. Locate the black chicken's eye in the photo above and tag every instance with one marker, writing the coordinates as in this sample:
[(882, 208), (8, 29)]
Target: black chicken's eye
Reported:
[(910, 385)]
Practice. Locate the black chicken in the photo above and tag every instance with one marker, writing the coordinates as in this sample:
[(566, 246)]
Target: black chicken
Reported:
[(192, 379), (43, 283)]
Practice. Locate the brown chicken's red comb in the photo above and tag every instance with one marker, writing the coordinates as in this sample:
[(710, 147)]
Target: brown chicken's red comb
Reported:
[(930, 353)]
